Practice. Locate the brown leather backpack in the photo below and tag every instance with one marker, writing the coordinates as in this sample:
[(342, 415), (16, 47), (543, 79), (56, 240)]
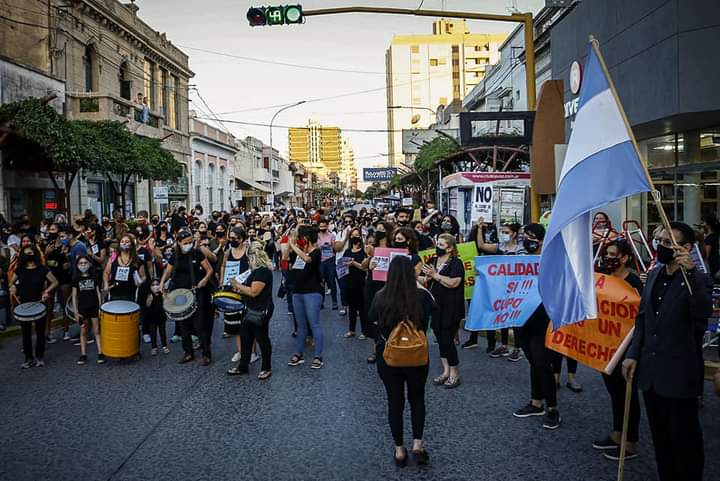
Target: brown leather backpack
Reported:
[(406, 346)]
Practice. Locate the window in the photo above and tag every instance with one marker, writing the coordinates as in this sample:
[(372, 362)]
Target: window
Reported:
[(414, 49), (210, 185), (149, 83), (174, 113), (416, 101), (88, 67), (165, 97), (125, 82), (433, 62), (197, 176), (221, 188)]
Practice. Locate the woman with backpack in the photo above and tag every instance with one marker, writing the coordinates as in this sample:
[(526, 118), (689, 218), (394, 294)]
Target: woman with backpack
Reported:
[(401, 312)]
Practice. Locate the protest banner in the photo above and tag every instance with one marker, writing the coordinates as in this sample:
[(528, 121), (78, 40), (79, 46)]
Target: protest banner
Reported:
[(232, 270), (342, 266), (382, 258), (467, 252), (600, 343), (506, 293)]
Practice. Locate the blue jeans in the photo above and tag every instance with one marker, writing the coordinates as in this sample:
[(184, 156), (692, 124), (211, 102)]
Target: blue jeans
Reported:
[(329, 275), (307, 311)]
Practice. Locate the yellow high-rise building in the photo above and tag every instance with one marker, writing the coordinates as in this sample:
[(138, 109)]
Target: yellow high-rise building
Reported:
[(426, 71), (317, 147)]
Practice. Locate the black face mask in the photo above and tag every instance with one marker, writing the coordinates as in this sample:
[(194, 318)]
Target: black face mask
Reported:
[(220, 235), (402, 223), (355, 240), (440, 252), (234, 243), (401, 245), (531, 245), (52, 236), (611, 263), (380, 235), (665, 255)]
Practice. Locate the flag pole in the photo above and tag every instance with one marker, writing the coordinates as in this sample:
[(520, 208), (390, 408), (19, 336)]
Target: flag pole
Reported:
[(623, 436), (653, 193)]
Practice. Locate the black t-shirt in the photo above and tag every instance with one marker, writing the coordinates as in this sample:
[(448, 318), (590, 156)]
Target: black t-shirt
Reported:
[(86, 293), (424, 242), (635, 282), (122, 280), (306, 280), (56, 260), (451, 301), (355, 277), (262, 301), (30, 283), (181, 269)]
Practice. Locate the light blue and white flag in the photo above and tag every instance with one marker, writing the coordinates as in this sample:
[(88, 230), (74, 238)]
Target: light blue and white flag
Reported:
[(601, 166)]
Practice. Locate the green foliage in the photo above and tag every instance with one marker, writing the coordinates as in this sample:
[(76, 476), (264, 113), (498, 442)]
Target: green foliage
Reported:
[(437, 149), (373, 191)]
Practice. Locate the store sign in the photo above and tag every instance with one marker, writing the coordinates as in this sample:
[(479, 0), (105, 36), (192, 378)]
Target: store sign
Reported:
[(379, 174), (160, 194)]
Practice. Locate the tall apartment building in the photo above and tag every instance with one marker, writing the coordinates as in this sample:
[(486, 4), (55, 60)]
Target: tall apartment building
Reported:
[(317, 147), (426, 71), (348, 171), (104, 55)]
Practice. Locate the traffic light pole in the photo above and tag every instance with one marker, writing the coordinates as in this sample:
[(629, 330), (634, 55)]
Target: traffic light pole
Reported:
[(525, 18)]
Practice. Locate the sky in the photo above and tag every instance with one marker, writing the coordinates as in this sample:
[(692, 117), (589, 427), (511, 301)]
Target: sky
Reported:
[(250, 91)]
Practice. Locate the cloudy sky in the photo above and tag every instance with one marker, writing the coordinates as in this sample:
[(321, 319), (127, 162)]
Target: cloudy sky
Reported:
[(250, 91)]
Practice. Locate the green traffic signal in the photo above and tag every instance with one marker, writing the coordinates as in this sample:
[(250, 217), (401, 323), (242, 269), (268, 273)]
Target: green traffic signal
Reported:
[(275, 15)]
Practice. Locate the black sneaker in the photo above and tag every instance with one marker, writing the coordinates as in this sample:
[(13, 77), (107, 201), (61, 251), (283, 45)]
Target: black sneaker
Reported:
[(605, 444), (552, 419), (490, 348), (528, 411), (614, 454), (101, 359), (470, 344), (82, 361), (335, 307)]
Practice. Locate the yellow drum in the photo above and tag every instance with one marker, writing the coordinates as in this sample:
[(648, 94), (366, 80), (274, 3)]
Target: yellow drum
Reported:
[(120, 329)]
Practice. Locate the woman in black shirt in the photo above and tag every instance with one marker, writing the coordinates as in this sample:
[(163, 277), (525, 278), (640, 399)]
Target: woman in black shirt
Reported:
[(617, 259), (124, 273), (56, 255), (189, 269), (380, 238), (257, 293), (86, 305), (355, 282), (445, 276), (235, 261), (32, 282), (402, 299), (305, 258)]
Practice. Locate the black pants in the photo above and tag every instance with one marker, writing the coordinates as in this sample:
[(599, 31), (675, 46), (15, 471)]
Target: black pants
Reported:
[(677, 437), (542, 381), (155, 326), (26, 328), (356, 308), (199, 324), (616, 387), (446, 342), (556, 360), (395, 379), (248, 334)]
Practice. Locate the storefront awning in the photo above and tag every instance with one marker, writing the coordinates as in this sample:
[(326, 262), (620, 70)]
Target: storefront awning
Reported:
[(247, 184)]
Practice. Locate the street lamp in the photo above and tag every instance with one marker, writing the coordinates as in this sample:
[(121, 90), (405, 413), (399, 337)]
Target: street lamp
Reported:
[(272, 179), (395, 107)]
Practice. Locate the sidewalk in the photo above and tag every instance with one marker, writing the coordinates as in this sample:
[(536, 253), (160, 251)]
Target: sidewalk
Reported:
[(14, 330)]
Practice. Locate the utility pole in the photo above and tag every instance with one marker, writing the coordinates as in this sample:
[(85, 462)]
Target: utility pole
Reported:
[(272, 178)]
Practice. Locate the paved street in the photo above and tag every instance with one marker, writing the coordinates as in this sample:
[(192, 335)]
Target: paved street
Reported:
[(157, 420)]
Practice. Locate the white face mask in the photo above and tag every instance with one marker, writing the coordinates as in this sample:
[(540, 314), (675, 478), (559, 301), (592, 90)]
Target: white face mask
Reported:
[(504, 238), (655, 244), (84, 268), (186, 248)]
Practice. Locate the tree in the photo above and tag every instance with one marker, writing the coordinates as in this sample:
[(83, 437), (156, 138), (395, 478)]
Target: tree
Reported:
[(425, 163)]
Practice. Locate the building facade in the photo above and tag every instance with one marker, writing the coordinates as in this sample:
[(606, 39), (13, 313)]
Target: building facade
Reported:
[(261, 177), (318, 147), (212, 174), (348, 171), (109, 60), (426, 71)]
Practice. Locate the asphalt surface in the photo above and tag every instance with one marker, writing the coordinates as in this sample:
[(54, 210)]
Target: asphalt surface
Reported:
[(153, 419)]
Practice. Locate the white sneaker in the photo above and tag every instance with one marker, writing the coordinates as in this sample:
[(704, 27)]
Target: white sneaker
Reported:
[(146, 338), (66, 336), (236, 357), (343, 311), (253, 358)]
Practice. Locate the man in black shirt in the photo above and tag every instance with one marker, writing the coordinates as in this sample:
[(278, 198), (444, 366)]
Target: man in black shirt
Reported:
[(666, 355)]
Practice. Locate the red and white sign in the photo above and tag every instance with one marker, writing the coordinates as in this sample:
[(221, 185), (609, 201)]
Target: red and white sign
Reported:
[(575, 77)]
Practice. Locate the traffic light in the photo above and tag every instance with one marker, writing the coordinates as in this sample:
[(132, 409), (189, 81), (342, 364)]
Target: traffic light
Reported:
[(275, 15)]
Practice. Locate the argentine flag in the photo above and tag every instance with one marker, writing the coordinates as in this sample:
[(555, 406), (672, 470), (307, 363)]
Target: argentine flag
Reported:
[(601, 166)]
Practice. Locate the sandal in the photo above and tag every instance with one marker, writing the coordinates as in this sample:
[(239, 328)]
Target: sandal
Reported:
[(349, 334), (440, 380), (236, 371), (264, 375), (296, 360), (372, 358), (451, 382), (317, 363)]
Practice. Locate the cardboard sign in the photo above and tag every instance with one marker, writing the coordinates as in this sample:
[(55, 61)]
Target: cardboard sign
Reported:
[(467, 252), (342, 266), (600, 343), (382, 258), (482, 205), (506, 294), (232, 269)]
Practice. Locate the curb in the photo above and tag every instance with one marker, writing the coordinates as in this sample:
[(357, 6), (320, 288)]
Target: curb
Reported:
[(15, 331)]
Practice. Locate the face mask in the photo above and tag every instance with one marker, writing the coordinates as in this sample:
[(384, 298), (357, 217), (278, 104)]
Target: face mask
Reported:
[(379, 235), (655, 244), (186, 248), (440, 252), (665, 255), (106, 222), (52, 236), (612, 263), (446, 226), (504, 238), (531, 245), (323, 230), (401, 245), (234, 243), (402, 223), (124, 248), (64, 242), (83, 268), (155, 289), (355, 240), (220, 235)]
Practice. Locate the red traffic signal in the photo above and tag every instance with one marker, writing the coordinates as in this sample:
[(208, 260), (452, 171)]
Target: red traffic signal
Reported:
[(256, 17)]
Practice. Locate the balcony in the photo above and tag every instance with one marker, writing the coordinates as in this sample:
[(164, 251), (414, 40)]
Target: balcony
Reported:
[(95, 106), (179, 188)]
